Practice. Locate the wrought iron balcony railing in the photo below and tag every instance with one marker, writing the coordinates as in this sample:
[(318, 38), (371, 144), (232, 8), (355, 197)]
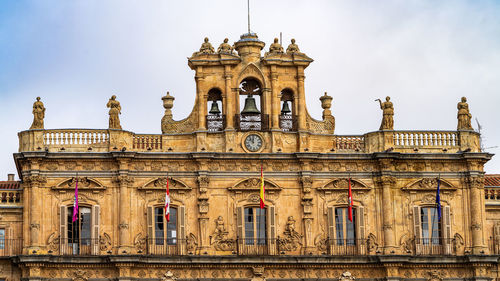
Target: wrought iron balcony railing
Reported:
[(433, 246), (165, 246), (257, 122), (79, 247), (256, 246), (288, 122), (216, 123), (346, 247)]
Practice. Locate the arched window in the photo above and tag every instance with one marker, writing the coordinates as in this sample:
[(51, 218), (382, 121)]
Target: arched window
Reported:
[(251, 117), (215, 116), (288, 121)]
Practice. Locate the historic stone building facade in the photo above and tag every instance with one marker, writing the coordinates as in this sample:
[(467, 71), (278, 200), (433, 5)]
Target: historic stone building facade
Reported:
[(250, 112)]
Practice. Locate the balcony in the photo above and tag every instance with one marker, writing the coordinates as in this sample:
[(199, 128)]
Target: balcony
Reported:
[(433, 246), (165, 246), (346, 247), (79, 247), (216, 122), (256, 246), (11, 197), (257, 122)]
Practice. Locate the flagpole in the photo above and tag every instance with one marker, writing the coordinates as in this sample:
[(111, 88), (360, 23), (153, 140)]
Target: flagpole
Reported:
[(436, 208)]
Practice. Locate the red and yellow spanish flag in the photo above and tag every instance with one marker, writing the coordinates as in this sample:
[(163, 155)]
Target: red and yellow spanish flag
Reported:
[(262, 188)]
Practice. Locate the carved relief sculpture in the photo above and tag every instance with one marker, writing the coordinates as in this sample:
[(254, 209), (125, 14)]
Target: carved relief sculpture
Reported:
[(114, 112), (220, 240), (463, 116), (225, 48), (388, 114), (292, 238), (38, 114)]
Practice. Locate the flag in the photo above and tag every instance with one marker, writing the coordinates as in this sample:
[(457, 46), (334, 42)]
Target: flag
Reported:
[(75, 202), (349, 208), (438, 200), (167, 203), (262, 188)]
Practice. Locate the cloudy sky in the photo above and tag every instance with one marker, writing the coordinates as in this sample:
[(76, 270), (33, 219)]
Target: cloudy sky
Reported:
[(425, 54)]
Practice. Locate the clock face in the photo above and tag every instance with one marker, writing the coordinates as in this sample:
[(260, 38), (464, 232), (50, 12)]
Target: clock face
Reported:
[(253, 142)]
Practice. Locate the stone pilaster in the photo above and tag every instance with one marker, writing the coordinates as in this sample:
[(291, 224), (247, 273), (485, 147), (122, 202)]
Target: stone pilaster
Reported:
[(124, 182), (228, 99), (35, 183), (387, 184), (301, 98), (308, 219), (202, 101), (203, 207), (477, 211), (275, 101)]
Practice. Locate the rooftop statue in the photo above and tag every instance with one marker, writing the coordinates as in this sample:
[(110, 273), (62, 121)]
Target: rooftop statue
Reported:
[(114, 112), (206, 47), (293, 48), (275, 47), (225, 48), (38, 114), (463, 116), (388, 114)]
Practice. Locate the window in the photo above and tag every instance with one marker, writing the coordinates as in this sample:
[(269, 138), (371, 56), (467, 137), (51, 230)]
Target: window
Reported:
[(431, 226), (255, 226), (345, 232), (82, 235), (2, 238), (165, 232)]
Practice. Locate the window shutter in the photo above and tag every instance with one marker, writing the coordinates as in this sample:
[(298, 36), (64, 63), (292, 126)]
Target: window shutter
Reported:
[(150, 222), (417, 232), (271, 218), (331, 228), (95, 222), (359, 219), (11, 244), (63, 229), (239, 226), (446, 229), (182, 229)]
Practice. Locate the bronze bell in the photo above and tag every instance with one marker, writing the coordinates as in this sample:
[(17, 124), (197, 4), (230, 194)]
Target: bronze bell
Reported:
[(215, 108), (250, 107), (285, 110)]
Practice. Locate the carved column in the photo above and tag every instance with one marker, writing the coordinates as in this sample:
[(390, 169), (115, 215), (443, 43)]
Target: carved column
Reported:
[(229, 99), (476, 185), (203, 207), (302, 99), (35, 183), (275, 101), (387, 184), (307, 205), (124, 181), (202, 103)]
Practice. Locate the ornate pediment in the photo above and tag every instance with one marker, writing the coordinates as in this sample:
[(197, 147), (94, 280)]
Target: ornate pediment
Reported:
[(84, 183), (253, 184), (428, 184), (161, 184), (343, 183)]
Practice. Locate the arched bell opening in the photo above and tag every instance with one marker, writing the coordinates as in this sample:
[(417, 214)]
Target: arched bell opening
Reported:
[(215, 116), (251, 104), (288, 120)]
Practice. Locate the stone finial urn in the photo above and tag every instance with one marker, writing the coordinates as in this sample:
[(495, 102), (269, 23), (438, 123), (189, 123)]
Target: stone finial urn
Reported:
[(326, 103), (168, 103)]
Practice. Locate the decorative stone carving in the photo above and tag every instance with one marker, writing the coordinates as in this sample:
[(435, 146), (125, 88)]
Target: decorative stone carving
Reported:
[(168, 276), (80, 275), (140, 243), (219, 238), (124, 180), (406, 243), (387, 114), (225, 48), (321, 243), (306, 183), (105, 242), (53, 242), (206, 48), (343, 183), (253, 184), (346, 276), (435, 275), (429, 184), (372, 244), (275, 48), (463, 115), (191, 243), (38, 114), (203, 182), (35, 180), (293, 48), (458, 243), (114, 112), (292, 238)]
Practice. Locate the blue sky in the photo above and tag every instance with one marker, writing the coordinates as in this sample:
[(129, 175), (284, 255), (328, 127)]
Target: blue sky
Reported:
[(76, 54)]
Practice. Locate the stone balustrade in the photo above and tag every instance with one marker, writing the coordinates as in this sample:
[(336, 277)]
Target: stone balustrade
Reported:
[(492, 195), (102, 140), (11, 197)]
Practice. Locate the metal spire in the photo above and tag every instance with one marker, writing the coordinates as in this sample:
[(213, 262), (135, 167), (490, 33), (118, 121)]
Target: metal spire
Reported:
[(248, 9)]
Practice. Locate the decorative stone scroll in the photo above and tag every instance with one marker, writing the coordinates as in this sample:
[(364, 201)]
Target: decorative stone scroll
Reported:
[(429, 184), (161, 183), (170, 126), (84, 183), (343, 183), (253, 184)]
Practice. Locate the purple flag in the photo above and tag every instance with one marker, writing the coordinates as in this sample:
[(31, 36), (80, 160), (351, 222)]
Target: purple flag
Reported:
[(75, 204)]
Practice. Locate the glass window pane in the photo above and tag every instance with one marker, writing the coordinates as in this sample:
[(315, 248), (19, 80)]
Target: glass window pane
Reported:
[(2, 238), (351, 230), (339, 226), (158, 227), (85, 225), (172, 227), (249, 226), (261, 225)]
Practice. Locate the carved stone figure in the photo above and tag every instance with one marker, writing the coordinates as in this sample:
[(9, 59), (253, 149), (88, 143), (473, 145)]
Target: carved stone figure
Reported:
[(372, 243), (206, 47), (388, 114), (291, 238), (276, 47), (220, 229), (463, 116), (346, 276), (38, 114), (168, 276), (191, 243), (222, 243), (114, 112), (225, 48), (292, 48)]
